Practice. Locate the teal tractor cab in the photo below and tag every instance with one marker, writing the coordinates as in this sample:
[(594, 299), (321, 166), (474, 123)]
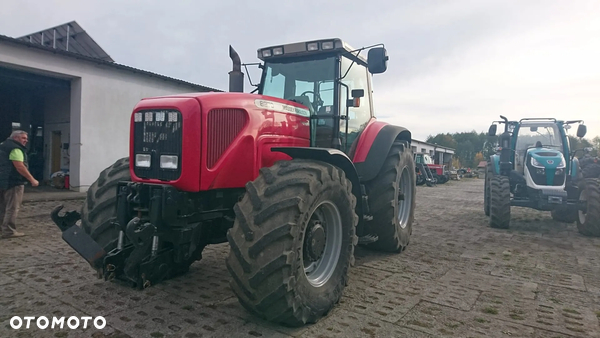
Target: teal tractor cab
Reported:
[(534, 167)]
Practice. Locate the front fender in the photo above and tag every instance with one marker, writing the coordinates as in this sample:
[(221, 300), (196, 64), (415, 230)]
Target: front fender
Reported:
[(574, 167), (495, 164), (374, 145)]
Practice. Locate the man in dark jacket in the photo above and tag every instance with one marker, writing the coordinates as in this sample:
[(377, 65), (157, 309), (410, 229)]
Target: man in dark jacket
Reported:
[(14, 173)]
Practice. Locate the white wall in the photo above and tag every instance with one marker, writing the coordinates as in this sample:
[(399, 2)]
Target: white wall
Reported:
[(102, 98)]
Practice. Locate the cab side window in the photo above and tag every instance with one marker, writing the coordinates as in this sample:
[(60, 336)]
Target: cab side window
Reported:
[(358, 117)]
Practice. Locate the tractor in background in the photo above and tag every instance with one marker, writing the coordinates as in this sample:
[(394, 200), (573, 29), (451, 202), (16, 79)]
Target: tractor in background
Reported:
[(292, 177), (536, 168), (428, 172)]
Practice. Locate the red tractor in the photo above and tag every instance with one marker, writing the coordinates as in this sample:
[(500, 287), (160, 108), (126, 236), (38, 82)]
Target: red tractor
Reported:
[(428, 170), (292, 177)]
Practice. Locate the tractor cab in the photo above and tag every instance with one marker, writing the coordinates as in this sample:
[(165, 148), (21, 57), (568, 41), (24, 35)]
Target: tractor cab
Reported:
[(541, 141), (331, 79)]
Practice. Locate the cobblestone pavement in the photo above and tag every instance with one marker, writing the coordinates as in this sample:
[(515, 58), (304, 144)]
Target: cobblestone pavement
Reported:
[(458, 278)]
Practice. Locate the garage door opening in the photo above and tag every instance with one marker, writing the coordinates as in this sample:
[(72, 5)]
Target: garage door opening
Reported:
[(40, 105)]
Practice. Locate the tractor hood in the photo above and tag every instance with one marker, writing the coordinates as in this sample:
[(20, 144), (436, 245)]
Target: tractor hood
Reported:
[(546, 158), (546, 166)]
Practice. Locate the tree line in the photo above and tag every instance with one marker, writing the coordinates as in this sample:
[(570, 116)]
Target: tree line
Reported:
[(472, 147)]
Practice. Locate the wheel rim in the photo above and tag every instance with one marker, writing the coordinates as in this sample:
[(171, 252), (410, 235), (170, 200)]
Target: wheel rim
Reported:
[(322, 243), (405, 197), (582, 214)]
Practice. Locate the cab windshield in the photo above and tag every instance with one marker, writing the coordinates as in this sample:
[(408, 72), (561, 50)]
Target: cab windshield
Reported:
[(308, 82), (547, 134)]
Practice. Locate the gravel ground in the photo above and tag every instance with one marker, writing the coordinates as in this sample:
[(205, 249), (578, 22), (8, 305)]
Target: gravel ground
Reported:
[(458, 278)]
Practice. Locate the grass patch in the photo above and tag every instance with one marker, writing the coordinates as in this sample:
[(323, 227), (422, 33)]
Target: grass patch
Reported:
[(481, 320), (188, 307), (486, 258), (491, 253), (571, 311), (555, 301), (157, 334), (490, 310), (598, 314)]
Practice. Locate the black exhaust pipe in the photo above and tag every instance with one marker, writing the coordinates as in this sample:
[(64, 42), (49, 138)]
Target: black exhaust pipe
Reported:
[(236, 77)]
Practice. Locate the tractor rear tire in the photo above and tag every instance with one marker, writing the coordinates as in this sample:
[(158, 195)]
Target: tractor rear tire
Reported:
[(499, 202), (292, 242), (392, 196), (588, 223), (486, 189)]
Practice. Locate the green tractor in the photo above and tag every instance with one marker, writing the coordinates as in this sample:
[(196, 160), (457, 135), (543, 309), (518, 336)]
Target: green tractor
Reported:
[(534, 167)]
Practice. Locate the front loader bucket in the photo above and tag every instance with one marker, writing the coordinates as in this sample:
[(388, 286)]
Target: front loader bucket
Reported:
[(77, 238)]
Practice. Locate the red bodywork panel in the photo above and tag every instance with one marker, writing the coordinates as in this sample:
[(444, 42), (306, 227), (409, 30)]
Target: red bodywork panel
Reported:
[(437, 168), (366, 140), (261, 125)]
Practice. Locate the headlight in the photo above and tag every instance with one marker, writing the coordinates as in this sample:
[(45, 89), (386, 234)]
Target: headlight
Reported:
[(168, 162), (278, 51), (312, 46), (535, 163), (327, 45), (562, 163), (142, 160), (266, 53)]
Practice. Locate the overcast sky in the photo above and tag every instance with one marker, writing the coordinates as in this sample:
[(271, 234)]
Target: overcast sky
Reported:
[(454, 65)]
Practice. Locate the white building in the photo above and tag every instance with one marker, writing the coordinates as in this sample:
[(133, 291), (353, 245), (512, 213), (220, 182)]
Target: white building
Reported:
[(73, 99), (439, 154)]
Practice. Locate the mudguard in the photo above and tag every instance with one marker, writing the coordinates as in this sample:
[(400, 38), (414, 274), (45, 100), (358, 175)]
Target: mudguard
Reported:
[(332, 156), (574, 167), (495, 164), (373, 147)]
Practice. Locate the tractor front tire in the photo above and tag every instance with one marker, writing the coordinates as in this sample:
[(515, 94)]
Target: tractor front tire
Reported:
[(588, 221), (392, 196), (99, 207), (486, 189), (499, 202), (292, 242)]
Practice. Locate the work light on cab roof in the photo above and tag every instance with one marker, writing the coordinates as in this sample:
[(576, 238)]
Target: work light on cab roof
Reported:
[(376, 60)]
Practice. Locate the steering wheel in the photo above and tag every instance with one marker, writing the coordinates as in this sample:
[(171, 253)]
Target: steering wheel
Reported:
[(318, 102)]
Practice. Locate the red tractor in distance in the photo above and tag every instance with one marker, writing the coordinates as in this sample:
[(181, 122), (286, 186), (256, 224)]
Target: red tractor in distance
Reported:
[(292, 177), (428, 171)]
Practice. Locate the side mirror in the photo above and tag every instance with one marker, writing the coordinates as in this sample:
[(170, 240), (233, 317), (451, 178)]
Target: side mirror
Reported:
[(581, 130), (377, 60), (355, 100), (492, 131), (358, 93)]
